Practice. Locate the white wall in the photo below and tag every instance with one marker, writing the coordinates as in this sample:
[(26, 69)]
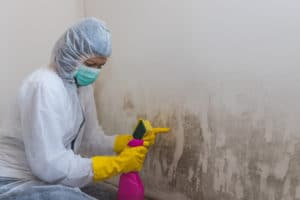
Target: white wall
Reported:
[(29, 29), (225, 76)]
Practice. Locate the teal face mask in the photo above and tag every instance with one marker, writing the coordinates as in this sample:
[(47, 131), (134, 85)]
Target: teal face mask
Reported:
[(86, 75)]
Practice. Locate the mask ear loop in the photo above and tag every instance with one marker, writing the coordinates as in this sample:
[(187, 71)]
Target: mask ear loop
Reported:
[(80, 62)]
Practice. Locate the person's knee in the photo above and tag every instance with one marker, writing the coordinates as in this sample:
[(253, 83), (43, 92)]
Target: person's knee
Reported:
[(54, 192)]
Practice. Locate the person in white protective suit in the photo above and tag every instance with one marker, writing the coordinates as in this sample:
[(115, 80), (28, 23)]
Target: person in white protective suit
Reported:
[(54, 112)]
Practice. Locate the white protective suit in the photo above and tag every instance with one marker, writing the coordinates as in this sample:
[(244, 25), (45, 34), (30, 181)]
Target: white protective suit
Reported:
[(52, 116)]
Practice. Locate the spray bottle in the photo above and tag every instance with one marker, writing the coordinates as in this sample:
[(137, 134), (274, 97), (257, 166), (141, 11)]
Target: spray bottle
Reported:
[(130, 185)]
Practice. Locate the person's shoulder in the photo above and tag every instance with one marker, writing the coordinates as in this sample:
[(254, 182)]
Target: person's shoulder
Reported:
[(43, 76), (44, 79), (43, 87)]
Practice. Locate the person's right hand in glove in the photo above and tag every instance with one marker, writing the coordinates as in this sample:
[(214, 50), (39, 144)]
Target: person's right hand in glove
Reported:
[(122, 141), (131, 159)]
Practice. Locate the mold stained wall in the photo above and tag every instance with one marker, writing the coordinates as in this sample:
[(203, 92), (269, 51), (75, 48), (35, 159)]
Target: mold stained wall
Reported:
[(225, 76)]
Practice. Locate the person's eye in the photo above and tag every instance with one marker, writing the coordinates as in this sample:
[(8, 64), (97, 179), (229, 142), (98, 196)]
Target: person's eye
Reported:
[(90, 64), (100, 66)]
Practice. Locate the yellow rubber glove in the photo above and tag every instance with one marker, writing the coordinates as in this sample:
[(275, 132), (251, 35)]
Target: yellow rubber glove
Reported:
[(121, 142), (130, 159), (150, 137)]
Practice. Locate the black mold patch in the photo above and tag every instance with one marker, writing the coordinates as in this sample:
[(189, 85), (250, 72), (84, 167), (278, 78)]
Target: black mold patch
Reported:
[(128, 104)]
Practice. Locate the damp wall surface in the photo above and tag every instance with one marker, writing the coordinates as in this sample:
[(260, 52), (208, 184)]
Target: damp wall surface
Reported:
[(224, 75)]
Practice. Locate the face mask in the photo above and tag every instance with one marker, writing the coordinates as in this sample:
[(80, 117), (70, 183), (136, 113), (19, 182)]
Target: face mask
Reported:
[(86, 75)]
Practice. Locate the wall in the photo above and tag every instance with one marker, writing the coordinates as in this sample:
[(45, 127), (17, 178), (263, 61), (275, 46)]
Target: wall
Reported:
[(29, 29), (224, 75)]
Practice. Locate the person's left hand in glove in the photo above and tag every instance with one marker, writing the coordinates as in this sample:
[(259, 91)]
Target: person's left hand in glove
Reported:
[(121, 142)]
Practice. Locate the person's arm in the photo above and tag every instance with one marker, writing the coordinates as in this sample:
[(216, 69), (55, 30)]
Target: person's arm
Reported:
[(43, 127), (95, 141)]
